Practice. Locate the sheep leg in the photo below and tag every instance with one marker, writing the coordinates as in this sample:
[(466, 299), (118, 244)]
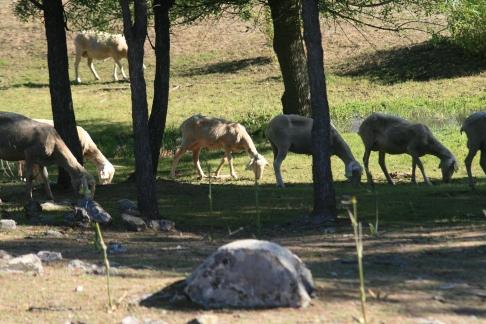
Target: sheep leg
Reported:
[(115, 72), (175, 161), (232, 169), (421, 167), (92, 68), (197, 164), (414, 168), (277, 163), (218, 169), (122, 70), (45, 179), (381, 161), (482, 160), (468, 161), (366, 161), (76, 67), (29, 176)]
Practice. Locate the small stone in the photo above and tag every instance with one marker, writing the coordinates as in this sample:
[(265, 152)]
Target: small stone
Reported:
[(95, 212), (79, 289), (204, 319), (7, 225), (126, 204), (25, 263), (49, 256), (49, 206), (162, 225), (134, 223), (81, 265), (78, 217), (4, 255), (130, 320), (53, 234), (115, 247)]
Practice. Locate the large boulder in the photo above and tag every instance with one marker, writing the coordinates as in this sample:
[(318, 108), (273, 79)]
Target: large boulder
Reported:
[(248, 274)]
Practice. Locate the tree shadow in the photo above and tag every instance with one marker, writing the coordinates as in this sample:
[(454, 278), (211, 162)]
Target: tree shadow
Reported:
[(227, 67), (420, 62)]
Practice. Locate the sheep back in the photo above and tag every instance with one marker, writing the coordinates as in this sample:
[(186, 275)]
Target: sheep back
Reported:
[(100, 45)]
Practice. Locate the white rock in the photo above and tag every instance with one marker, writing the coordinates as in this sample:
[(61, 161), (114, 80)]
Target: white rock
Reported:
[(25, 263), (162, 225), (53, 234), (79, 289), (130, 320), (49, 256), (7, 225), (248, 274), (134, 223)]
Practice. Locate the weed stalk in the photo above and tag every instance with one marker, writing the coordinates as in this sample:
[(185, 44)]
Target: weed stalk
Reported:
[(100, 244), (358, 239)]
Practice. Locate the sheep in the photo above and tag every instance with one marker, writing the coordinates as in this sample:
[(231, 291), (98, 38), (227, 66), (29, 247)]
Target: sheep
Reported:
[(475, 128), (105, 169), (394, 135), (22, 138), (100, 46), (292, 133), (200, 132)]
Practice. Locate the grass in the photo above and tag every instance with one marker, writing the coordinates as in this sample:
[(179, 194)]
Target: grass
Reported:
[(217, 69)]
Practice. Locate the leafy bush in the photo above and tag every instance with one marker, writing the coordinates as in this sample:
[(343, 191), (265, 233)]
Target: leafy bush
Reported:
[(467, 24)]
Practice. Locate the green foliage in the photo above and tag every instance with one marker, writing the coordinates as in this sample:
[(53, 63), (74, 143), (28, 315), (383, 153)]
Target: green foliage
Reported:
[(467, 24)]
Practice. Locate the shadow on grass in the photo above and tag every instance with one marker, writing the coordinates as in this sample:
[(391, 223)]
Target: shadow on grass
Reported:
[(420, 62), (227, 67)]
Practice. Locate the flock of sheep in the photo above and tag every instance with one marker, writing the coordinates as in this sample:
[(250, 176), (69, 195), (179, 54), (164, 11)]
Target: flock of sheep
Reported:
[(37, 144)]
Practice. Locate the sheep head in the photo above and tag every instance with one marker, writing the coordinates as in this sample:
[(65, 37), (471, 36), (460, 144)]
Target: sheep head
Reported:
[(106, 172), (84, 184), (257, 164), (448, 166), (353, 172)]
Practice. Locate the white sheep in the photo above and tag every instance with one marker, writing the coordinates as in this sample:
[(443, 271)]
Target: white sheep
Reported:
[(105, 169), (200, 132), (292, 133), (394, 135), (100, 46), (475, 128), (22, 138)]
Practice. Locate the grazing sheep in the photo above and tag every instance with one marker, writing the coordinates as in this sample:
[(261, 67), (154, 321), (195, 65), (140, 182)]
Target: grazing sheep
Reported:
[(100, 46), (394, 135), (292, 133), (22, 138), (475, 128), (106, 171), (200, 132)]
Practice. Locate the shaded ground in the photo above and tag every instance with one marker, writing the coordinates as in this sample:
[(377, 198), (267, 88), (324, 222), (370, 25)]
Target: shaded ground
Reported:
[(419, 62)]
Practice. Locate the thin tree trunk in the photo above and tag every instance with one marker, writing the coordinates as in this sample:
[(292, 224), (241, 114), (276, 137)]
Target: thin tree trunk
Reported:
[(287, 43), (160, 102), (135, 34), (59, 83), (324, 196)]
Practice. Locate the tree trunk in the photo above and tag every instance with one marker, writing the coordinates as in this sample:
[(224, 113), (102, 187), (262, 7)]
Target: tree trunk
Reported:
[(59, 84), (135, 35), (160, 102), (324, 196), (287, 43)]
